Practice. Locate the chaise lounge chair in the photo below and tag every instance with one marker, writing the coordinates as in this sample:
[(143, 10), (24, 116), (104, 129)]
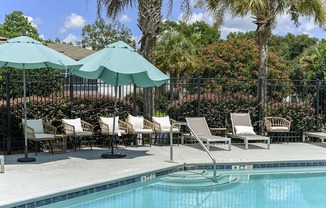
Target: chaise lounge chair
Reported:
[(201, 129), (162, 125), (39, 131), (319, 135), (139, 126), (242, 129), (106, 127), (77, 128)]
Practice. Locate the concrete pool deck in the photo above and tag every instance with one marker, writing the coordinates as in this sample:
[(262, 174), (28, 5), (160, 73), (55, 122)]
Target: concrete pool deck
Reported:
[(51, 174)]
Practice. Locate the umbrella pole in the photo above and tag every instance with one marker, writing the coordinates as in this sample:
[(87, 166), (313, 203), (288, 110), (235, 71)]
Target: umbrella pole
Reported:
[(26, 158), (112, 154)]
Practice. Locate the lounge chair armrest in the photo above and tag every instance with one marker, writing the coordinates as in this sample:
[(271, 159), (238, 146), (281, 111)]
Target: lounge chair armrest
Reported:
[(130, 127), (178, 126), (68, 129), (87, 126), (287, 122), (103, 125), (148, 124), (30, 132), (49, 129), (123, 125), (157, 126)]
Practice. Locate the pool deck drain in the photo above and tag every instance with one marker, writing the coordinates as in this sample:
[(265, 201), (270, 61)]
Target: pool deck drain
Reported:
[(51, 174)]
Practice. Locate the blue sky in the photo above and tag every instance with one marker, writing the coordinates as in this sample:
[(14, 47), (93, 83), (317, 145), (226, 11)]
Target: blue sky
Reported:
[(65, 18)]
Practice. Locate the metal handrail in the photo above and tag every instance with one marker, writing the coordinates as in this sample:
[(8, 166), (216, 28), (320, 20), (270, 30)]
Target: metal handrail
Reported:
[(197, 138)]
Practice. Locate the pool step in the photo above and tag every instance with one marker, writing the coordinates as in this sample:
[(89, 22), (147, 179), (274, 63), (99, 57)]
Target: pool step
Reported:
[(196, 179)]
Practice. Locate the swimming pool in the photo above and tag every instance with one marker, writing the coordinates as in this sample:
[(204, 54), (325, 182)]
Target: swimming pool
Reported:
[(237, 186)]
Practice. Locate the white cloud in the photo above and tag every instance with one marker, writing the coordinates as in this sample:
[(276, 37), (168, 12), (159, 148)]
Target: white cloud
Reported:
[(236, 24), (73, 21), (306, 26), (71, 38), (34, 22), (125, 18), (196, 17)]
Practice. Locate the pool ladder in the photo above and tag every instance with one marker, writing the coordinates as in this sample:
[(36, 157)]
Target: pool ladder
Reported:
[(200, 142)]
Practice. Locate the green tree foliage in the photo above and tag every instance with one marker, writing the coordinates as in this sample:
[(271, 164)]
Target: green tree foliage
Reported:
[(199, 33), (306, 67), (99, 34), (175, 53), (319, 64), (16, 24), (264, 13), (237, 58), (290, 47)]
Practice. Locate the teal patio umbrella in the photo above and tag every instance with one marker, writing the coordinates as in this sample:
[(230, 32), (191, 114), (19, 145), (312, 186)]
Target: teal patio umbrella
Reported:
[(26, 53), (119, 64)]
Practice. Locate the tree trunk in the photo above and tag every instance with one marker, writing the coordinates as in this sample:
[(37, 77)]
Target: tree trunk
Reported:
[(149, 22), (262, 66), (264, 22)]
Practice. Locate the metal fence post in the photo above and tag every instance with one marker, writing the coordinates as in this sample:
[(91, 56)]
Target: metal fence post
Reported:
[(317, 104), (8, 114), (260, 82), (198, 87), (71, 95)]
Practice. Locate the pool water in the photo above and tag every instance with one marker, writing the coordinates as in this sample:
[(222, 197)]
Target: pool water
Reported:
[(241, 190)]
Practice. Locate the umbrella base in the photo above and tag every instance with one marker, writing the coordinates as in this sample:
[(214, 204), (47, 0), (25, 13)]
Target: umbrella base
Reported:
[(26, 159), (109, 155)]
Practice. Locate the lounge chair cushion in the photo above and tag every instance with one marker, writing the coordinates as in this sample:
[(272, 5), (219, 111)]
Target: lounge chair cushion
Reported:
[(84, 133), (35, 124), (278, 128), (143, 131), (167, 130), (163, 121), (244, 130), (109, 122), (137, 122), (44, 136), (76, 123)]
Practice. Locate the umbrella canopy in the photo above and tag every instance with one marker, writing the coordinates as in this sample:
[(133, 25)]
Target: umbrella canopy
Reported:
[(119, 64), (120, 60), (26, 53)]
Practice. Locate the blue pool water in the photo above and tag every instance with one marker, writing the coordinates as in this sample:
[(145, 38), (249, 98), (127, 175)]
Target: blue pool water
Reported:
[(238, 189)]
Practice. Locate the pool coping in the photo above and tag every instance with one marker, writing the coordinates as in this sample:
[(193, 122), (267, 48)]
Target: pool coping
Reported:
[(142, 177)]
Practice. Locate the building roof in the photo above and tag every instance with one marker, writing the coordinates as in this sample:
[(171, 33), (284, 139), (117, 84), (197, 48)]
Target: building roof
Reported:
[(74, 52)]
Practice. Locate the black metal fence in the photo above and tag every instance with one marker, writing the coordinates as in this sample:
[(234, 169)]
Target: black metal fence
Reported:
[(302, 102)]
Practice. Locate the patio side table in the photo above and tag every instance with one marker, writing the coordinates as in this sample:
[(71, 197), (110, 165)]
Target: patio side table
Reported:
[(60, 143)]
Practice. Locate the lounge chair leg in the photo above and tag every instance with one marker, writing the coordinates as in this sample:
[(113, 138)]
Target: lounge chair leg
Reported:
[(246, 145), (36, 147), (155, 138), (268, 144), (75, 144), (50, 144), (229, 145)]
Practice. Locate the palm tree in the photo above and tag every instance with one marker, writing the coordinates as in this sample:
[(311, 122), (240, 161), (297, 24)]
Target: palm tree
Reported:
[(264, 13), (149, 21), (175, 54)]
